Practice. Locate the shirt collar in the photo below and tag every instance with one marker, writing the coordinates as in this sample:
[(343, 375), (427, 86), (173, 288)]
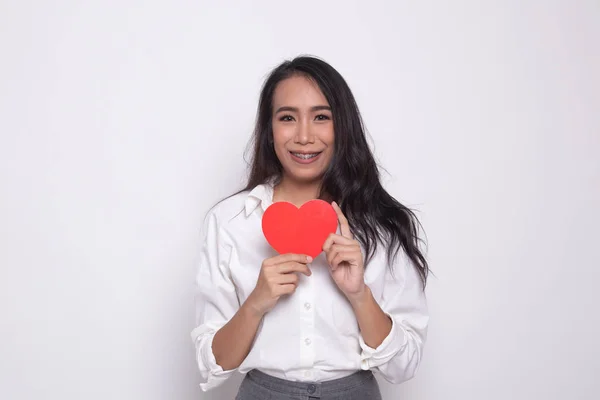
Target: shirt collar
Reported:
[(261, 195)]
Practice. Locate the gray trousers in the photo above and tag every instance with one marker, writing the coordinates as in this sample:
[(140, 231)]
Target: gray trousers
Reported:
[(260, 386)]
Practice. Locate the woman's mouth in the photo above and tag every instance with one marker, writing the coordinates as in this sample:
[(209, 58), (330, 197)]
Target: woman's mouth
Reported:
[(304, 158)]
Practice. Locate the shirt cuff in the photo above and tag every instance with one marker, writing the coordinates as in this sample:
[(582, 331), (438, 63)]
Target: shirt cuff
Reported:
[(212, 373), (391, 345)]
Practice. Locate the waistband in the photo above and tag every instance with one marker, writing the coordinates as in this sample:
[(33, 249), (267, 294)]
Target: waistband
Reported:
[(315, 389)]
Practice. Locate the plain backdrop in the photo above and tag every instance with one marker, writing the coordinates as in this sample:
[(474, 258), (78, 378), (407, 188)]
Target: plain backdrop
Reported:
[(122, 122)]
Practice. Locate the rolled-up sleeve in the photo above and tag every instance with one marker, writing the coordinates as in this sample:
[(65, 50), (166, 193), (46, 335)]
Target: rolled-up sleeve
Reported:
[(215, 300), (398, 357)]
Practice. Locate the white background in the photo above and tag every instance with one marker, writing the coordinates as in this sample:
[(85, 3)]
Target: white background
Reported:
[(121, 122)]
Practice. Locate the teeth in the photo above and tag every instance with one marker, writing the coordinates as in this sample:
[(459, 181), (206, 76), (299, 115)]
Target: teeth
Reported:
[(305, 156)]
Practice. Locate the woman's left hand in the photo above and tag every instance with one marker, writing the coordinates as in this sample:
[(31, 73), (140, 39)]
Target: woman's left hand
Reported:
[(345, 259)]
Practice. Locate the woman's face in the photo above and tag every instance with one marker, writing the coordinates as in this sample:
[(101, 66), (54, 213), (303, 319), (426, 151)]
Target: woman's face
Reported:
[(302, 129)]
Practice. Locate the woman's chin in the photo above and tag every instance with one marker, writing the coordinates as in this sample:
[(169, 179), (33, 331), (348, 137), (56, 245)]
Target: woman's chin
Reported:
[(304, 177)]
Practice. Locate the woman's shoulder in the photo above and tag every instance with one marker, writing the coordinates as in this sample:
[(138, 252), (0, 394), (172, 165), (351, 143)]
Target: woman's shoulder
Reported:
[(228, 208)]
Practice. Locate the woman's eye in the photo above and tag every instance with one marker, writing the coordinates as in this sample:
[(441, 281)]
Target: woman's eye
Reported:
[(322, 117), (286, 118)]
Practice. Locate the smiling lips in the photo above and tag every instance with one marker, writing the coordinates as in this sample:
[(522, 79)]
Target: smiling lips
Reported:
[(305, 158)]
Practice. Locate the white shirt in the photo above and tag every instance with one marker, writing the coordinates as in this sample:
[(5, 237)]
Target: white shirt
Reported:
[(312, 334)]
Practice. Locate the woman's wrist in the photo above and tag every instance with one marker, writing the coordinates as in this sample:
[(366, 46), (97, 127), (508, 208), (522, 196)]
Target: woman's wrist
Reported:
[(360, 298), (251, 309)]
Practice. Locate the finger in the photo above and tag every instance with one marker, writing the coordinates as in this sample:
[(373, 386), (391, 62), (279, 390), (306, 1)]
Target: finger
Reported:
[(336, 248), (282, 258), (335, 262), (334, 238), (342, 257), (288, 267), (286, 289), (345, 247), (285, 279), (344, 226), (331, 253)]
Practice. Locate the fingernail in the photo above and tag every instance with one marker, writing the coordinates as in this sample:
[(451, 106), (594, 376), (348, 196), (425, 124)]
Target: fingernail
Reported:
[(309, 258)]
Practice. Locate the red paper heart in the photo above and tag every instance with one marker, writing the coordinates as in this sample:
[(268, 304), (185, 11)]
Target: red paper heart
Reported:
[(303, 230)]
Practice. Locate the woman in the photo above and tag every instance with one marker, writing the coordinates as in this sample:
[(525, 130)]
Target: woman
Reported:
[(302, 328)]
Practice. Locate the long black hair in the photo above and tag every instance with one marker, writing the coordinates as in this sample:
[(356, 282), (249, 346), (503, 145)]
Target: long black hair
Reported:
[(352, 178)]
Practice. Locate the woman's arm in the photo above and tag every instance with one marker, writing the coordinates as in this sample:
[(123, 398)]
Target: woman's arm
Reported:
[(277, 277), (233, 342), (398, 355), (393, 330), (374, 324)]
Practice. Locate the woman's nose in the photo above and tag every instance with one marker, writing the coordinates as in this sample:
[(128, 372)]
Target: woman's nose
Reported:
[(303, 135)]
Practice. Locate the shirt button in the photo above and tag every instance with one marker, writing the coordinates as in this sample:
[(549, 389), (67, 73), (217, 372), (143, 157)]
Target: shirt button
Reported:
[(307, 306), (307, 341), (308, 374)]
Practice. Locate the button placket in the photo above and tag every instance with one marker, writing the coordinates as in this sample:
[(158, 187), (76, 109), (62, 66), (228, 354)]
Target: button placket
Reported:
[(307, 312)]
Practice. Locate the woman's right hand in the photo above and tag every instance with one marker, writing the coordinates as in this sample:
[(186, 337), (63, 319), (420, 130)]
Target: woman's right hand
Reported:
[(278, 276)]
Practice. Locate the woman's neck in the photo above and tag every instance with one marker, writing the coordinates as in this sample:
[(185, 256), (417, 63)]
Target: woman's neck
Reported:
[(296, 193)]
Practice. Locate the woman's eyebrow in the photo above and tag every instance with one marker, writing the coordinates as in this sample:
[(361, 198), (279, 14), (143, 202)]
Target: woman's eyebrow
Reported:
[(295, 109)]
